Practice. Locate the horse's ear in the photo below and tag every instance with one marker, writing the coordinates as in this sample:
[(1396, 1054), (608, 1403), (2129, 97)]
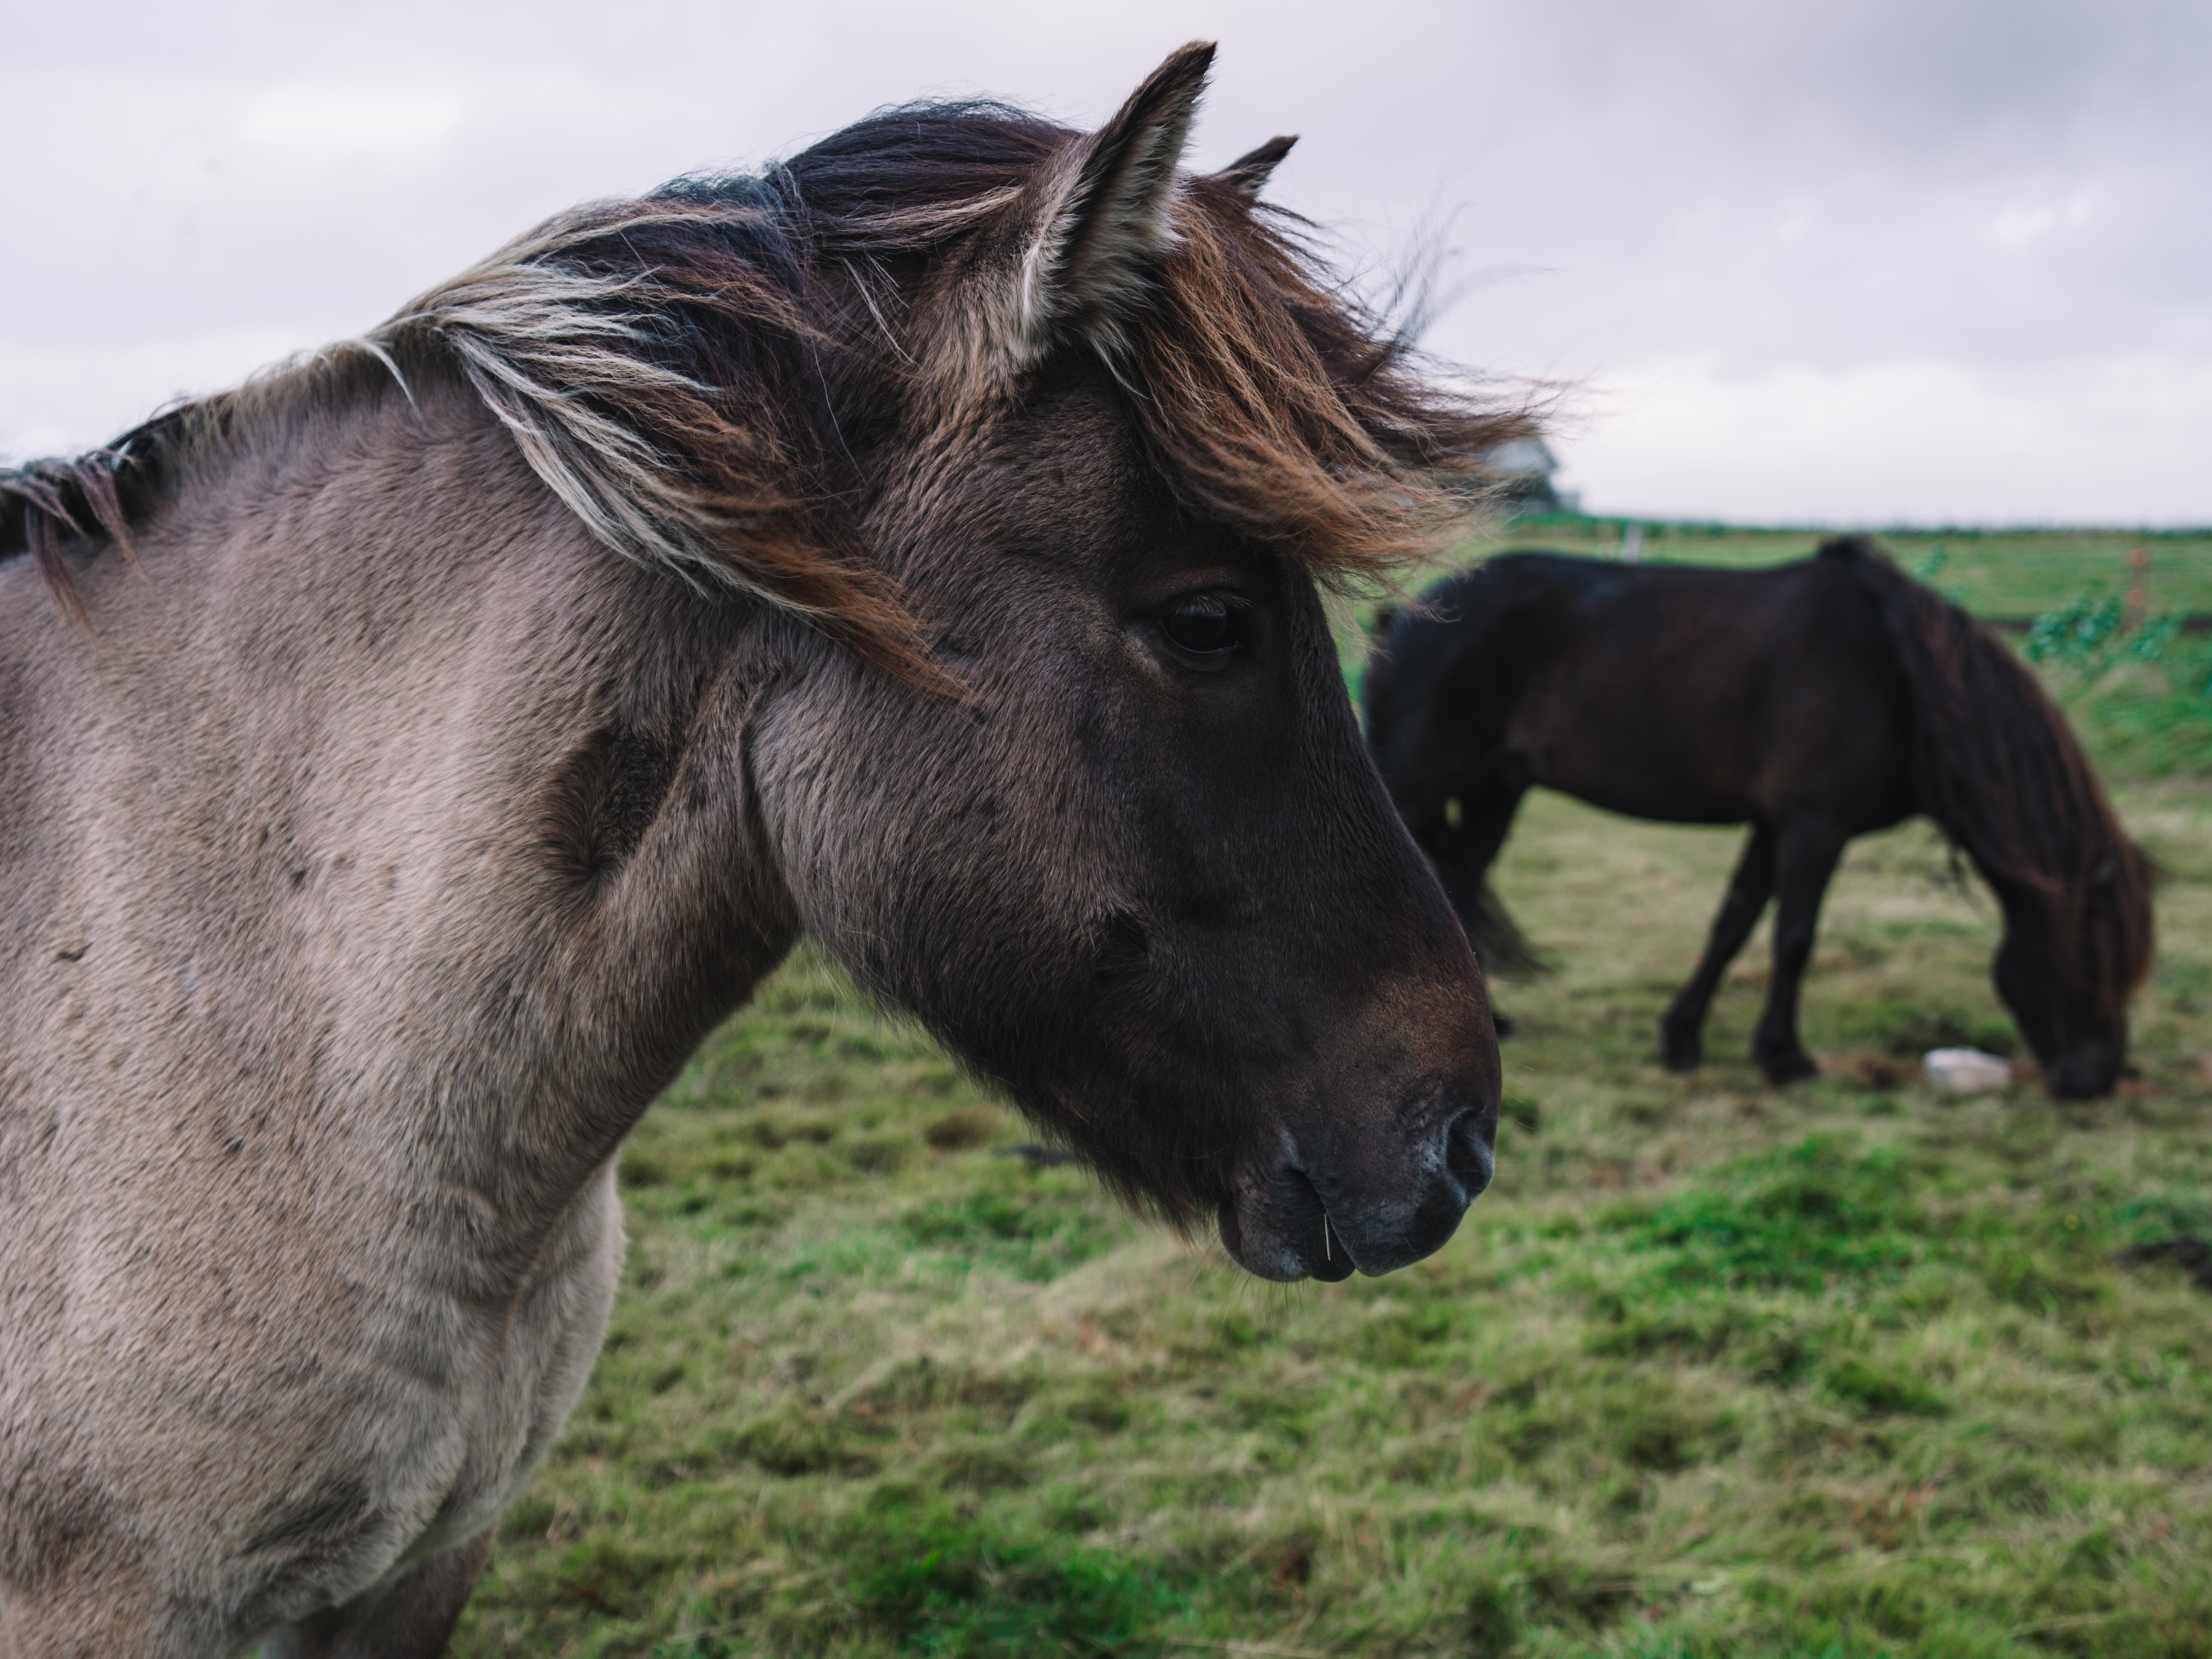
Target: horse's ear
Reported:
[(1248, 174), (1104, 213)]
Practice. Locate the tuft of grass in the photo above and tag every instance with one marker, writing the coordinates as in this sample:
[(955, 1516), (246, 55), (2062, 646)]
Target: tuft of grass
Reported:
[(1798, 1218), (1882, 1392), (937, 1582), (1012, 1232)]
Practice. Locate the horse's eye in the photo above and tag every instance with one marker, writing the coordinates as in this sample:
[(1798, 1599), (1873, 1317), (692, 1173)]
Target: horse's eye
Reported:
[(1203, 625)]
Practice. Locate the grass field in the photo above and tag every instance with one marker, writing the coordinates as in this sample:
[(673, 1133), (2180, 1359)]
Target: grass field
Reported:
[(1844, 1371)]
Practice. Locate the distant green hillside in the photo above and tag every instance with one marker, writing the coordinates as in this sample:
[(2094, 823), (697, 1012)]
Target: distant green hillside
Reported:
[(1999, 573)]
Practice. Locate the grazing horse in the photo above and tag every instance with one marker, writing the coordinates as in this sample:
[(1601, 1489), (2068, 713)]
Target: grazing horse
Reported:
[(1816, 701), (918, 546)]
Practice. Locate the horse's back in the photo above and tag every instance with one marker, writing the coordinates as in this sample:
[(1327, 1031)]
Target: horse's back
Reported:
[(1693, 693)]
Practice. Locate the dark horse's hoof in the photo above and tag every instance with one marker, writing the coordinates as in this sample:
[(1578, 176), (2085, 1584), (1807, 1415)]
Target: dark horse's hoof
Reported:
[(1784, 1070), (1680, 1051)]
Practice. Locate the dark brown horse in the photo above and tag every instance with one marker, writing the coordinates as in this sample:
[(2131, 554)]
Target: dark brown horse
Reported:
[(916, 546), (1815, 701)]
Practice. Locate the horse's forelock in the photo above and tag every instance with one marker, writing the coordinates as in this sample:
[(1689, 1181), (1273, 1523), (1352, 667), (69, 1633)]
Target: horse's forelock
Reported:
[(1273, 399), (1287, 410)]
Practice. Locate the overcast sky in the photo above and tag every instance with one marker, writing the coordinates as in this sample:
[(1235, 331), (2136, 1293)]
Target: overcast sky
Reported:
[(1931, 261)]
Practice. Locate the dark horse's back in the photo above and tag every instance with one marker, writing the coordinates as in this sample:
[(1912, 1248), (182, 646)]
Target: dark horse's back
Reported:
[(1694, 694), (1814, 702)]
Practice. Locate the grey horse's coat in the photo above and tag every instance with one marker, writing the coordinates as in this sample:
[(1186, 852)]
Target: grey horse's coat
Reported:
[(379, 845)]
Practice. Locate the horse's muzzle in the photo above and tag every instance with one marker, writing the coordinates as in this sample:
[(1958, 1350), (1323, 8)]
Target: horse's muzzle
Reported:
[(1324, 1220), (2081, 1077)]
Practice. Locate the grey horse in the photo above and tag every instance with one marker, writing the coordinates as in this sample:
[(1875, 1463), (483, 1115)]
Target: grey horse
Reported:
[(919, 545)]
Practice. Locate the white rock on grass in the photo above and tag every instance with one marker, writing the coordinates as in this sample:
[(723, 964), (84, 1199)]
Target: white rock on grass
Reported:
[(1966, 1071)]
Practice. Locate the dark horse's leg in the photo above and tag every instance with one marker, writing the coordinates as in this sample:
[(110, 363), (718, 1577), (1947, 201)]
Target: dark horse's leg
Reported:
[(1462, 855), (1805, 858), (1681, 1031), (410, 1617)]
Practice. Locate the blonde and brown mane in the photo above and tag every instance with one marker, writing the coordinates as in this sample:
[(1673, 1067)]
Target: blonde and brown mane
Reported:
[(691, 372)]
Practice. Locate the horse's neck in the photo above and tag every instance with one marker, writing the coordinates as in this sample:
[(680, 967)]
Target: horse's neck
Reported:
[(399, 813)]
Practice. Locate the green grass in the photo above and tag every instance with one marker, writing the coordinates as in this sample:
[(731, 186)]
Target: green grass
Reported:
[(1844, 1371)]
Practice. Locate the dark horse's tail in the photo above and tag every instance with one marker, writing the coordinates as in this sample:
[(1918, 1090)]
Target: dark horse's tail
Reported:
[(1997, 767)]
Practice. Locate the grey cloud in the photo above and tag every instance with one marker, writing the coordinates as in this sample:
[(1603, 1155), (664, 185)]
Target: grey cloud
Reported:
[(2013, 187)]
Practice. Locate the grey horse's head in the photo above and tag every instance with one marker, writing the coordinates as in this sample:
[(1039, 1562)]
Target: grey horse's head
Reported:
[(1138, 868)]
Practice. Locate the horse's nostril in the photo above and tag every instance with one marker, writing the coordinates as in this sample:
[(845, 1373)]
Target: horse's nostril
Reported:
[(1468, 1153)]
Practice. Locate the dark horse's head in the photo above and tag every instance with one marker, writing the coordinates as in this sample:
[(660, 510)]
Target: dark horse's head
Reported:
[(2074, 952), (1042, 451), (2001, 770)]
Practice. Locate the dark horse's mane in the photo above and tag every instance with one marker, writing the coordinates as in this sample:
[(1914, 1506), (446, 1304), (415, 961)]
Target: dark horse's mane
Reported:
[(1999, 769), (692, 372)]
